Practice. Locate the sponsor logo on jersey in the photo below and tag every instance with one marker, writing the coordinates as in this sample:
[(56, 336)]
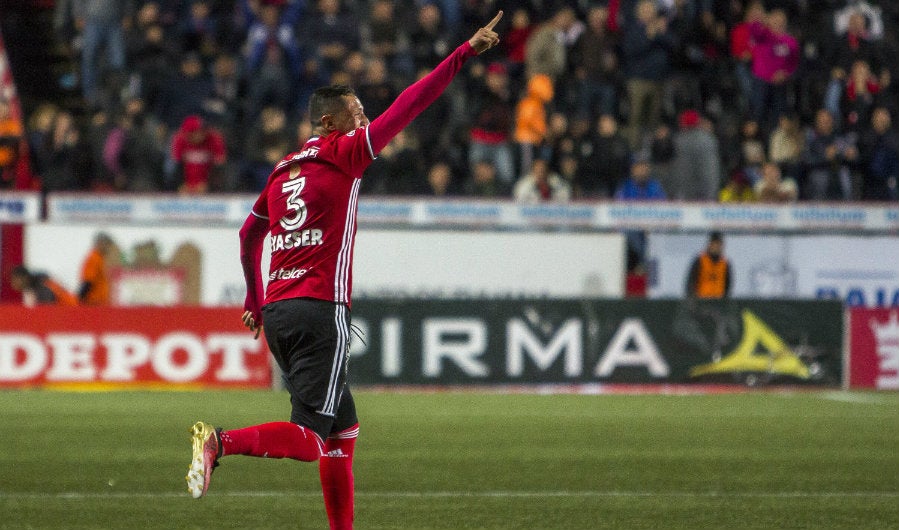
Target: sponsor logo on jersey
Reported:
[(287, 274), (309, 152)]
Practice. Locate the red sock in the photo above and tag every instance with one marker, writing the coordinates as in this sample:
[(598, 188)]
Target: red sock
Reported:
[(280, 439), (335, 468)]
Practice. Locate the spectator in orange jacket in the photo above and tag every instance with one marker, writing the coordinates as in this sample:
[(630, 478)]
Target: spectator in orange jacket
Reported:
[(94, 288), (530, 118)]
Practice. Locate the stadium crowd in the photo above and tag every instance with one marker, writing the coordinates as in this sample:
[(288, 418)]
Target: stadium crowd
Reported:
[(730, 100)]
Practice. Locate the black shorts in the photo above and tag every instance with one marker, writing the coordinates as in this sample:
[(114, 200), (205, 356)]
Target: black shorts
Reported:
[(309, 340)]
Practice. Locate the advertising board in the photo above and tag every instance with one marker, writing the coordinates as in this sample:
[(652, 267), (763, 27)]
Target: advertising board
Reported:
[(435, 213), (587, 341), (440, 342), (96, 348), (19, 207), (394, 263), (860, 271), (208, 255), (873, 348), (461, 264)]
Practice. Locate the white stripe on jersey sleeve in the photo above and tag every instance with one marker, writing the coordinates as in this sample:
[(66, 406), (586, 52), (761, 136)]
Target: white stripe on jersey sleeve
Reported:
[(371, 151)]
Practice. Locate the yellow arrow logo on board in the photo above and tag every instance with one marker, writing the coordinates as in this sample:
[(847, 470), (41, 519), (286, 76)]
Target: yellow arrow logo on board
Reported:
[(760, 350)]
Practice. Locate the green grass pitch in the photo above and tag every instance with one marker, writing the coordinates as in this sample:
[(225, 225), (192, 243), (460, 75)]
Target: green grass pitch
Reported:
[(465, 460)]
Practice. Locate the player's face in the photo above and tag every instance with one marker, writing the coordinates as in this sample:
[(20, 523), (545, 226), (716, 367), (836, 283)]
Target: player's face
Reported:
[(352, 117)]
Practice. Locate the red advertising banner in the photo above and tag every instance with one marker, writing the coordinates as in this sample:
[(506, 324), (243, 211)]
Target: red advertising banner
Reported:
[(873, 354), (97, 348)]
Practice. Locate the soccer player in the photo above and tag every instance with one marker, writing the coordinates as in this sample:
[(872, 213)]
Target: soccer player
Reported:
[(309, 206)]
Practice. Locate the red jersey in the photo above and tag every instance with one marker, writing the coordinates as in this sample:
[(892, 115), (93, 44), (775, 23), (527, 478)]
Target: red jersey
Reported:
[(309, 202)]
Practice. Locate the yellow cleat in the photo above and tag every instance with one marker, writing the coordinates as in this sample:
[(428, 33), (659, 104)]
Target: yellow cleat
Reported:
[(206, 452)]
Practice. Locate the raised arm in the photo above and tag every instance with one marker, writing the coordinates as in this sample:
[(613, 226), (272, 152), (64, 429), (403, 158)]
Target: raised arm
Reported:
[(416, 98)]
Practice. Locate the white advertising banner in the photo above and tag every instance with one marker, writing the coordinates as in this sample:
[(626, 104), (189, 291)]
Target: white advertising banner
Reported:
[(862, 271), (148, 208), (453, 264), (60, 249), (435, 264), (601, 215), (19, 207)]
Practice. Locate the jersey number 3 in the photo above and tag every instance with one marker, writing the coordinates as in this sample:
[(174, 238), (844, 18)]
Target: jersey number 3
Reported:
[(294, 203)]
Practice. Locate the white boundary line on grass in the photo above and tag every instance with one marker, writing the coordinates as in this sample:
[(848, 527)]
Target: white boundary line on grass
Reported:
[(468, 494), (858, 397)]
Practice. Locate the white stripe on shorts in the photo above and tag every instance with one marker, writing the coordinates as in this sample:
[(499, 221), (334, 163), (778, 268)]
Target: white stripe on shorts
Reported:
[(333, 394)]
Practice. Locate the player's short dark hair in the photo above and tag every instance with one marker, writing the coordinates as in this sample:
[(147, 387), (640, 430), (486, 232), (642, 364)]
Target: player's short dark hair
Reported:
[(716, 237), (328, 100)]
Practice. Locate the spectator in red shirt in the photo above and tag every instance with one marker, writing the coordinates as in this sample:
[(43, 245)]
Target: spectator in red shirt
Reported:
[(198, 151), (741, 47), (514, 44)]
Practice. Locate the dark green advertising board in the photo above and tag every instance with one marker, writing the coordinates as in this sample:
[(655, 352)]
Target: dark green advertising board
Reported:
[(452, 342)]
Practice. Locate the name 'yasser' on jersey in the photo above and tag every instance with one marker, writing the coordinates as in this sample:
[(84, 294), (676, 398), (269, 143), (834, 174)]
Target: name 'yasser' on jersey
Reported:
[(296, 239)]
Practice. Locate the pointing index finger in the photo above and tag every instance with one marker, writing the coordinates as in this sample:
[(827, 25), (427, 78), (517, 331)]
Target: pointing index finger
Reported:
[(496, 19)]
